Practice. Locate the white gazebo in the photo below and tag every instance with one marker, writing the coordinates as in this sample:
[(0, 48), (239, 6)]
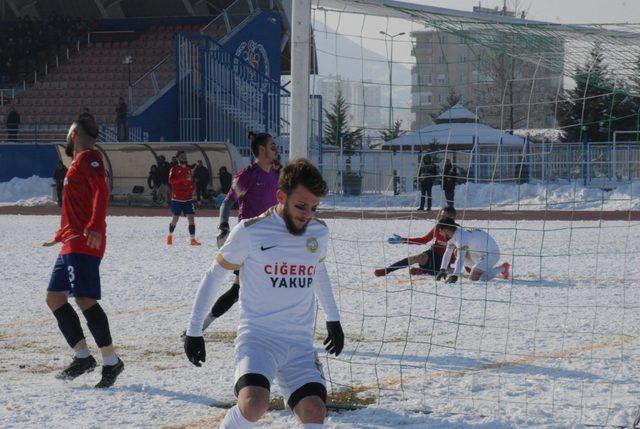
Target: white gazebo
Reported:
[(456, 129), (478, 149)]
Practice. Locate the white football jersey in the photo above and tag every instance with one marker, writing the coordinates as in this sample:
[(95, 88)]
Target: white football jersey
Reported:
[(280, 276), (473, 245)]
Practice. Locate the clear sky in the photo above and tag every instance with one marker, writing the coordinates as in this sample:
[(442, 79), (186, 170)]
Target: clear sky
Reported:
[(563, 11)]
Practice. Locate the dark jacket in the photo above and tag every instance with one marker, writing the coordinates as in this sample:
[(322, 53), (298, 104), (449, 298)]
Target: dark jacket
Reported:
[(201, 175), (13, 119), (225, 181), (427, 173), (121, 113), (59, 173), (449, 177), (153, 180), (163, 173)]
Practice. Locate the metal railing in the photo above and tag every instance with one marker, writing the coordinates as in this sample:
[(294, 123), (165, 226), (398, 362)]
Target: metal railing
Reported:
[(8, 94), (33, 134), (595, 164), (43, 69), (109, 134), (163, 73), (151, 83), (221, 97)]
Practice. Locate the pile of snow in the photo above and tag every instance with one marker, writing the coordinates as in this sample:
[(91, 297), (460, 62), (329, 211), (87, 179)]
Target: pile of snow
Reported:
[(508, 196), (27, 192), (36, 191)]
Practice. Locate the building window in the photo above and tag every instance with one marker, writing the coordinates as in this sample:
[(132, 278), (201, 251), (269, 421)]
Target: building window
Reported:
[(426, 99), (442, 79)]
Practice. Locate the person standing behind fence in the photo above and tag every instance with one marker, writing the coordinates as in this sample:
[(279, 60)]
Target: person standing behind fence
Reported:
[(225, 180), (164, 192), (121, 120), (449, 178), (58, 176), (152, 182), (426, 176), (202, 177), (13, 123)]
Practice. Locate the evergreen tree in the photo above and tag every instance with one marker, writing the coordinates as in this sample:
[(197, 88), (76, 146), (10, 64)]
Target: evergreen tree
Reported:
[(336, 127), (393, 132), (588, 106)]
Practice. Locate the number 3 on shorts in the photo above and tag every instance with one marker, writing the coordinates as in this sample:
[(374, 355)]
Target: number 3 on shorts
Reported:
[(72, 274)]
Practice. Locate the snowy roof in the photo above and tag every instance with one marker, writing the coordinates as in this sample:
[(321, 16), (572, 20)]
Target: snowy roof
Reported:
[(457, 112), (551, 134), (455, 134)]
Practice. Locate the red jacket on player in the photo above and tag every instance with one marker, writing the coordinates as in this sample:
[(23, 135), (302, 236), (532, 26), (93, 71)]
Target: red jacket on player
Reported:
[(440, 244), (85, 198), (182, 185)]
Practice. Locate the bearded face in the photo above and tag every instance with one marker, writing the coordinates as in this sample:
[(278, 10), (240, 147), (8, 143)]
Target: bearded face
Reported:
[(295, 226)]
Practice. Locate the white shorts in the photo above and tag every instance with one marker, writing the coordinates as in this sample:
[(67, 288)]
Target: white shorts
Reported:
[(289, 364), (484, 263)]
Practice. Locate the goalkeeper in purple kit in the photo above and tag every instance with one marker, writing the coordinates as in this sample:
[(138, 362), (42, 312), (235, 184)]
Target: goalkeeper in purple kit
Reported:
[(254, 189)]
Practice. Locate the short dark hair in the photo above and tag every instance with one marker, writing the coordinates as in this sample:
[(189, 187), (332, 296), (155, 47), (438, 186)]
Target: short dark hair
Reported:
[(180, 152), (447, 223), (251, 133), (86, 124), (301, 172), (450, 210), (260, 139)]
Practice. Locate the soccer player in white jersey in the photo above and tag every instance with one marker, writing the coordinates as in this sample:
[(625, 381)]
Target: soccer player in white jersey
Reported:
[(477, 251), (280, 256)]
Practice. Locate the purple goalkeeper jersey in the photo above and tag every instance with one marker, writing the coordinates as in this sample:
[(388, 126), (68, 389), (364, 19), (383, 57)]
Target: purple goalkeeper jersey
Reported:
[(255, 190)]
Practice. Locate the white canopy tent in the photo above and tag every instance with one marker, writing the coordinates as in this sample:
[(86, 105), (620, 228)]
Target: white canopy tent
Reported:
[(456, 128)]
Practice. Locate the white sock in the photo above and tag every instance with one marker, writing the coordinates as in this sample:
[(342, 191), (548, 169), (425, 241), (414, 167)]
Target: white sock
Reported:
[(82, 353), (110, 360), (208, 320), (494, 272), (235, 420), (312, 425)]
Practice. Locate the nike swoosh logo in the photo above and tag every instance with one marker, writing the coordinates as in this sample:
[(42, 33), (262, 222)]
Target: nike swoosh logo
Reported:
[(267, 248)]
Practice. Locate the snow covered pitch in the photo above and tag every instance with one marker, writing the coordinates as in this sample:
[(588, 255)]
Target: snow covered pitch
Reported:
[(556, 346)]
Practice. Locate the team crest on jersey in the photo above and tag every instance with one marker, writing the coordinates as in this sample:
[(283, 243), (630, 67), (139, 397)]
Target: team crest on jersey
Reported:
[(95, 164), (312, 244)]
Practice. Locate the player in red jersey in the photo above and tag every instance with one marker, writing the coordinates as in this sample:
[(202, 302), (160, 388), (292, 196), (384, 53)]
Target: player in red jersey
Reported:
[(182, 187), (429, 261), (76, 272)]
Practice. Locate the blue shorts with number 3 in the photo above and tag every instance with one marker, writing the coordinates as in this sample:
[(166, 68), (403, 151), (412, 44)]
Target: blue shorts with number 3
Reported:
[(180, 207), (77, 274)]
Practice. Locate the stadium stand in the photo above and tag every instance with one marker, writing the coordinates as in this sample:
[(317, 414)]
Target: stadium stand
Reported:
[(95, 78)]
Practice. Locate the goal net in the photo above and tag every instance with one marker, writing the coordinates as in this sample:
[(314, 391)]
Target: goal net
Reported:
[(540, 123)]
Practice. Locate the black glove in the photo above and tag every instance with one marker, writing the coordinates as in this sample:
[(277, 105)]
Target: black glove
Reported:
[(195, 350), (442, 274), (451, 279), (335, 338), (224, 233)]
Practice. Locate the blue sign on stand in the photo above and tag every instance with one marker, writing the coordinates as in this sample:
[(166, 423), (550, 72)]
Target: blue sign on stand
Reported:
[(258, 43)]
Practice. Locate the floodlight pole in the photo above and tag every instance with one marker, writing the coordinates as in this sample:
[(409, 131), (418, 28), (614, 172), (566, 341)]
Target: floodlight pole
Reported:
[(384, 33), (300, 48)]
